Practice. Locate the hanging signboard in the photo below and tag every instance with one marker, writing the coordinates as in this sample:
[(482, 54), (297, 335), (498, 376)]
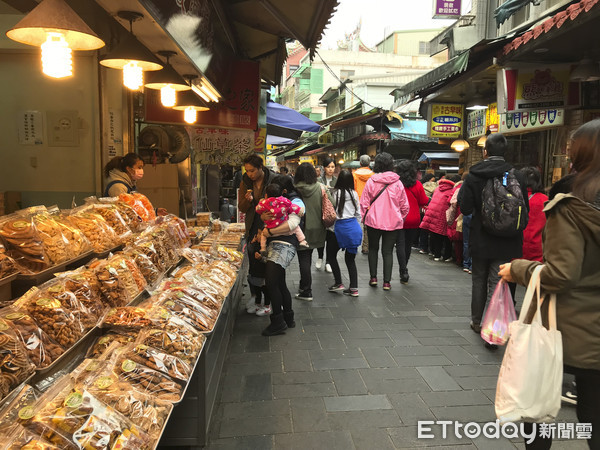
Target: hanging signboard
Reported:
[(221, 145), (533, 88), (446, 9), (491, 117), (526, 121), (476, 123), (308, 159), (445, 120)]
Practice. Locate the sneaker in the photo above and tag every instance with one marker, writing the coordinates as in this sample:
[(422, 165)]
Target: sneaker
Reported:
[(449, 259), (470, 271), (264, 311), (423, 252), (475, 327), (352, 292), (373, 281), (437, 259), (466, 269), (253, 308), (305, 295), (404, 277), (570, 396), (319, 264), (337, 288), (327, 268), (387, 286)]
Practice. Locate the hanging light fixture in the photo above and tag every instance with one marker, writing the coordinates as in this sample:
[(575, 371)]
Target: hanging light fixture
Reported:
[(190, 104), (481, 141), (586, 70), (168, 81), (57, 30), (131, 56), (206, 90), (459, 145)]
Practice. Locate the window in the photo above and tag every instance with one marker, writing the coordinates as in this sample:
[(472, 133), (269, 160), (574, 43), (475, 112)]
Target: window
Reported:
[(293, 68), (345, 74), (423, 48)]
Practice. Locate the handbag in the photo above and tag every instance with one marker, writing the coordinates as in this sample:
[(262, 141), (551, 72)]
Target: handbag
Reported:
[(373, 201), (499, 315), (530, 379), (328, 211)]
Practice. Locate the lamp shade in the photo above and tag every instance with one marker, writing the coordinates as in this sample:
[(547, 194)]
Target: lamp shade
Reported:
[(187, 100), (586, 70), (476, 103), (166, 77), (481, 141), (459, 145), (128, 50), (55, 16)]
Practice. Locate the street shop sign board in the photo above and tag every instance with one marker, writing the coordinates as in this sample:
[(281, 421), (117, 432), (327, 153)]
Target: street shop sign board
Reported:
[(533, 88), (445, 120), (491, 117), (221, 145), (476, 123), (446, 9), (529, 121)]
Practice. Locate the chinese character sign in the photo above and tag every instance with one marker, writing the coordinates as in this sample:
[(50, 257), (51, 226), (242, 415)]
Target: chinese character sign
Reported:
[(445, 121), (221, 145), (491, 115), (446, 9)]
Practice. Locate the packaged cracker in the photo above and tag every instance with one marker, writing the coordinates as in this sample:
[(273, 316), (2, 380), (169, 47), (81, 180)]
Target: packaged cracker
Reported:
[(126, 318), (8, 266), (102, 343), (18, 407), (95, 228), (177, 339), (23, 243), (15, 366)]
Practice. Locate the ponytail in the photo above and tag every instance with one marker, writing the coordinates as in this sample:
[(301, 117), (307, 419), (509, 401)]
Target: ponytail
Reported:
[(121, 163)]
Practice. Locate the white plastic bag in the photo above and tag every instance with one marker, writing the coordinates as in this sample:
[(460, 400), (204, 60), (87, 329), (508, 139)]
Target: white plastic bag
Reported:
[(530, 379)]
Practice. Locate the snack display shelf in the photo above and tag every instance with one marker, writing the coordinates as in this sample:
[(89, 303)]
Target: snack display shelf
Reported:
[(188, 382), (8, 279), (45, 275)]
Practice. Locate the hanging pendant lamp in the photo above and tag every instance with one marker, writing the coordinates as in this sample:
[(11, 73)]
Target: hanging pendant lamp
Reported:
[(190, 103), (131, 56), (168, 81), (57, 30), (459, 145)]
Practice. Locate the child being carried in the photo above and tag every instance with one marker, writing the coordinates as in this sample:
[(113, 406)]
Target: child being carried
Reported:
[(280, 207)]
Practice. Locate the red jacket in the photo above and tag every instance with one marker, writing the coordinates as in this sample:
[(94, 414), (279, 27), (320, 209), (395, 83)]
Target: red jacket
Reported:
[(435, 216), (532, 235), (416, 199)]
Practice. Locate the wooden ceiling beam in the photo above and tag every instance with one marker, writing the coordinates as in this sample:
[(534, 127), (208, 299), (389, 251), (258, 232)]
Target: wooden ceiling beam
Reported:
[(23, 6), (278, 16)]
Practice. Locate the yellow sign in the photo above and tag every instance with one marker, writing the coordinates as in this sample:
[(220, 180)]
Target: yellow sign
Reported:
[(326, 138), (542, 88), (308, 159), (260, 139), (445, 120), (491, 117)]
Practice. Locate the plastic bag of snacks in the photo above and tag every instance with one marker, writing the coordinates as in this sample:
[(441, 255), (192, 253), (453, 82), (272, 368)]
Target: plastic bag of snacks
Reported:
[(171, 303), (87, 369), (164, 244), (23, 439), (147, 204), (50, 234), (72, 418), (140, 204), (143, 410), (18, 407), (126, 318), (134, 221), (158, 360), (42, 351), (15, 366), (177, 339), (113, 217), (177, 229), (77, 242), (58, 320), (23, 243), (102, 343), (145, 244), (8, 266), (144, 379), (85, 288), (120, 279), (150, 272), (86, 316), (96, 229)]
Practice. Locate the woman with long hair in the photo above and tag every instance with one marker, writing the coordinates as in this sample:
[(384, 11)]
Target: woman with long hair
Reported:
[(347, 234), (416, 200), (384, 206), (328, 179), (121, 174), (572, 272), (532, 234)]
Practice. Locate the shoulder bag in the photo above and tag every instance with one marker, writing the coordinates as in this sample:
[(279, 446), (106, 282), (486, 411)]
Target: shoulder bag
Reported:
[(328, 211), (373, 201)]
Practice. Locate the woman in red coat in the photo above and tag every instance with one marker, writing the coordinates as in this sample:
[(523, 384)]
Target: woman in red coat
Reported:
[(416, 199), (435, 218), (532, 235)]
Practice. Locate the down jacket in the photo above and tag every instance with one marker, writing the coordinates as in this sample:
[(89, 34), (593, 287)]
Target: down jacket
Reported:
[(532, 234), (435, 216), (417, 198), (389, 210)]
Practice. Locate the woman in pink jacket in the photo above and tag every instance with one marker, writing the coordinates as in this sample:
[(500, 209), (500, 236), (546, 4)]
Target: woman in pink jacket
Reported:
[(384, 205), (435, 219)]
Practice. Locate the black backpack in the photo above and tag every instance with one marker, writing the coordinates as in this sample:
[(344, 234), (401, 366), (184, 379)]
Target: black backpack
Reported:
[(503, 209)]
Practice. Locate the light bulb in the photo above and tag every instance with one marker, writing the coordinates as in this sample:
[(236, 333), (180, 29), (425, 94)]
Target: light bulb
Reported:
[(167, 96), (56, 56), (190, 115), (133, 76)]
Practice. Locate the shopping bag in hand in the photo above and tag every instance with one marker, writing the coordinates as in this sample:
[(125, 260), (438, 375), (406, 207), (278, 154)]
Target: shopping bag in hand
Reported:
[(530, 378), (500, 312)]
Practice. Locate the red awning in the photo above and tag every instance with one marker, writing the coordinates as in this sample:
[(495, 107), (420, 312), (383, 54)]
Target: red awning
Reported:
[(313, 152), (554, 22)]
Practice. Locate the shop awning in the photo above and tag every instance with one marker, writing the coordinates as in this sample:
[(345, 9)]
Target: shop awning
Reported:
[(374, 113), (508, 8), (276, 140), (441, 155), (452, 67), (287, 123), (410, 130)]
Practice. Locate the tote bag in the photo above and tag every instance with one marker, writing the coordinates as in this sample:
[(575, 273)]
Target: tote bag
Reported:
[(530, 379), (328, 211)]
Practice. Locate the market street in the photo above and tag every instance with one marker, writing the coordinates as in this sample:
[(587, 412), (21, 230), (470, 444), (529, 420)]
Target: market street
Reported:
[(359, 372)]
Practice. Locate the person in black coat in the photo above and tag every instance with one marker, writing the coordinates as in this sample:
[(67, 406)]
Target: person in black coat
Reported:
[(488, 251)]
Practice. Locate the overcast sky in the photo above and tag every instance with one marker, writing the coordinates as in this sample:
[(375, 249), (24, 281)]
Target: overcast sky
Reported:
[(381, 17)]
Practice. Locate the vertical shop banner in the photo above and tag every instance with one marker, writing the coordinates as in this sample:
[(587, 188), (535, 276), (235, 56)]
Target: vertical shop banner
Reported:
[(221, 145), (445, 121), (260, 140), (446, 9), (476, 123), (525, 121), (237, 109), (534, 88), (491, 117)]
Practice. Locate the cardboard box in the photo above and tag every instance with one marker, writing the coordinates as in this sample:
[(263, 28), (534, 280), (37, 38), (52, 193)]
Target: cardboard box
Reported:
[(167, 198), (159, 176)]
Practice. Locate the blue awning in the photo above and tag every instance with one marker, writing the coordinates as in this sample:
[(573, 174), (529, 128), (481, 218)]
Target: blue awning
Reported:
[(410, 130), (276, 140), (287, 123)]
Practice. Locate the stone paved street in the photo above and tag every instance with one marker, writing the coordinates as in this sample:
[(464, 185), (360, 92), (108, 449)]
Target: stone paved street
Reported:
[(359, 372)]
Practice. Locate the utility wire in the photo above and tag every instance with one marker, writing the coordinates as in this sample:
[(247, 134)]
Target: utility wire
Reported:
[(341, 82)]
